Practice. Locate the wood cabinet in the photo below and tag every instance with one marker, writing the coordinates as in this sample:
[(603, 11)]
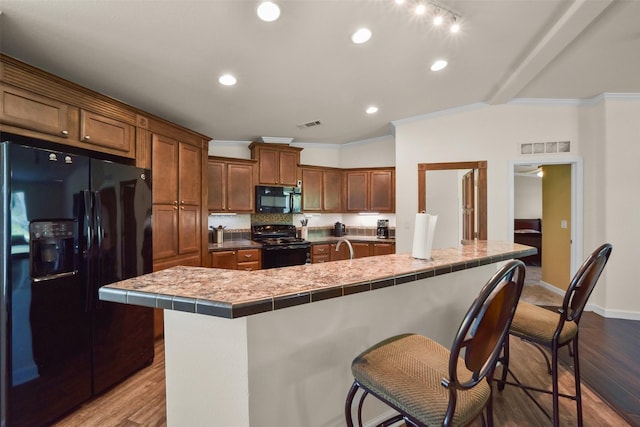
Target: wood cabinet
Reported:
[(78, 127), (231, 185), (324, 252), (320, 253), (321, 189), (360, 249), (32, 111), (240, 259), (370, 190), (382, 249), (100, 132), (277, 163), (340, 254), (177, 195)]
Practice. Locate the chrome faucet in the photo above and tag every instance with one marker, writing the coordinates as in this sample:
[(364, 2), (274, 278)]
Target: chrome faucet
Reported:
[(348, 244)]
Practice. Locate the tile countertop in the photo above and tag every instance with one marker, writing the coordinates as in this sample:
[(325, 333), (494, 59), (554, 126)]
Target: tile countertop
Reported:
[(235, 293)]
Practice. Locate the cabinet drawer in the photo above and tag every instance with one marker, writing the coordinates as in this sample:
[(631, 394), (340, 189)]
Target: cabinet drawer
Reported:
[(248, 255), (320, 249), (315, 259), (249, 266)]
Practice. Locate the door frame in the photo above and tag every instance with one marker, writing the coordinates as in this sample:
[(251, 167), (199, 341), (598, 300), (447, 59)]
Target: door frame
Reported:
[(577, 200)]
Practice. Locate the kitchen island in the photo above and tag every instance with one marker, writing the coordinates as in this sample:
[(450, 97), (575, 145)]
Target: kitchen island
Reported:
[(274, 347)]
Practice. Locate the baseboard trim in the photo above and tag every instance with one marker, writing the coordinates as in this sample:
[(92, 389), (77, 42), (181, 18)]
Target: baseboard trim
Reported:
[(609, 314), (613, 314)]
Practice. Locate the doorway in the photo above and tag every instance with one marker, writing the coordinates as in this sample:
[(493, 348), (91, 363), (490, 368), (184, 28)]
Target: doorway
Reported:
[(561, 212)]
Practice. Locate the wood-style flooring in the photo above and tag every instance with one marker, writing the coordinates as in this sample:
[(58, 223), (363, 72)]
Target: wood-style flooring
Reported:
[(606, 347)]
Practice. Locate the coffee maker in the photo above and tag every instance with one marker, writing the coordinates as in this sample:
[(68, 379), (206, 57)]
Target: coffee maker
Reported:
[(383, 229)]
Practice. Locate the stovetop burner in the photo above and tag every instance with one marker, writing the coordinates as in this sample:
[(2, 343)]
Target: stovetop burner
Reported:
[(275, 234)]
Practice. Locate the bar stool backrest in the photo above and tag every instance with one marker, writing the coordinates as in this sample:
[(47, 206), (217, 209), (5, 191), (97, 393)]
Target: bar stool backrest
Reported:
[(582, 284), (486, 325)]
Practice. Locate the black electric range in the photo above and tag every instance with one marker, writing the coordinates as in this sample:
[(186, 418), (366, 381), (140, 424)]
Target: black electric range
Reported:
[(280, 245)]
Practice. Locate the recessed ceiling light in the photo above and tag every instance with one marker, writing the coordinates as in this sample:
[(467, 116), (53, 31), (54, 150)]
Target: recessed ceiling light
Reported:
[(268, 11), (227, 80), (372, 109), (438, 19), (361, 36), (420, 9), (455, 26), (438, 65)]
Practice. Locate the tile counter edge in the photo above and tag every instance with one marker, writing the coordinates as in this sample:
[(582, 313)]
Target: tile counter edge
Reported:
[(220, 293)]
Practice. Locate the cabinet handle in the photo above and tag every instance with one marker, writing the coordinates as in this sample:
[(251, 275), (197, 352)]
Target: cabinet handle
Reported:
[(182, 207), (175, 203), (182, 202), (87, 137), (65, 132), (248, 256)]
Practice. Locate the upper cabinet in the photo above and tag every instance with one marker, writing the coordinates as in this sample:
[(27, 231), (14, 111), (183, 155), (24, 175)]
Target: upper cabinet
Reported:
[(231, 184), (102, 132), (370, 190), (177, 195), (32, 111), (321, 189), (277, 164)]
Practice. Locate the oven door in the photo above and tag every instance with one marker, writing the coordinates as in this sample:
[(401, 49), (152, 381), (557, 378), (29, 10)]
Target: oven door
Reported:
[(285, 255)]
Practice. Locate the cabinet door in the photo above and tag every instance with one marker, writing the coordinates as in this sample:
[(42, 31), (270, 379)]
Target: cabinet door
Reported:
[(164, 164), (288, 168), (165, 231), (189, 231), (383, 249), (357, 191), (105, 132), (240, 190), (332, 191), (340, 254), (217, 186), (382, 191), (269, 166), (311, 190), (190, 174), (224, 259), (35, 112), (360, 250)]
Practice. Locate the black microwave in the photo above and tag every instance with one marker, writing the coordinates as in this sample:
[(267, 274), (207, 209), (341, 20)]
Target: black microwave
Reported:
[(278, 199)]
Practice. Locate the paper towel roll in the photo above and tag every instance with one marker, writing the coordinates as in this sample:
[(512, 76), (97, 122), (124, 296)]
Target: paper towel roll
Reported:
[(423, 229)]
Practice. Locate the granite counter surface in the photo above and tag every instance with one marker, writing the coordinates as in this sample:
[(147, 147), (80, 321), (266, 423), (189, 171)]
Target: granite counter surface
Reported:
[(230, 245), (235, 293)]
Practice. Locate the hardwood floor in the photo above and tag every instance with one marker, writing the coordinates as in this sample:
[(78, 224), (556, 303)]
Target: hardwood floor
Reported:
[(140, 400)]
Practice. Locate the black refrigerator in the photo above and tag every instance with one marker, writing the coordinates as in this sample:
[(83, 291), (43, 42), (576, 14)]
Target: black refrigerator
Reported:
[(70, 224)]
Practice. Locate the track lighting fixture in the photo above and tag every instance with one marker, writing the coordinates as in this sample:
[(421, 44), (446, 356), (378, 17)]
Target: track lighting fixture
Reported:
[(438, 14)]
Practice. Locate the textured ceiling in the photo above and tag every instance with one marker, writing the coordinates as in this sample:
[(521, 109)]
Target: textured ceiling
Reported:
[(165, 57)]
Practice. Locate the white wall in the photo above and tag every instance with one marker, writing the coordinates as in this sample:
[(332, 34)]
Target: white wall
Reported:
[(527, 194), (606, 133)]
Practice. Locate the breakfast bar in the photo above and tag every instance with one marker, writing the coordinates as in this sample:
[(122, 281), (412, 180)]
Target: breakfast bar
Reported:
[(274, 347)]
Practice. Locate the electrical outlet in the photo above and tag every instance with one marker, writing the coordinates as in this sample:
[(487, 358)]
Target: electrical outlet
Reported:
[(563, 223)]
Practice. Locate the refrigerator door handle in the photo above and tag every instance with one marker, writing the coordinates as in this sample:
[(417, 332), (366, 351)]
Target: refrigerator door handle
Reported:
[(88, 252), (97, 278)]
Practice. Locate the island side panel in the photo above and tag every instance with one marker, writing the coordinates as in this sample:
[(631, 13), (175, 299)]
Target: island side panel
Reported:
[(300, 357), (206, 370)]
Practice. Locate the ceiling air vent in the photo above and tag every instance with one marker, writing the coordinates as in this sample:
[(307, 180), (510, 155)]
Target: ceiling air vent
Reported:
[(309, 124)]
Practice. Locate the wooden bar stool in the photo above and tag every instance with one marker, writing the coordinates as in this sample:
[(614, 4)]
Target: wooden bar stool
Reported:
[(426, 383), (552, 330)]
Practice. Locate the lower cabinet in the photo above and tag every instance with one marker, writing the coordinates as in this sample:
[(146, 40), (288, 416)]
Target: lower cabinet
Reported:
[(320, 253), (240, 259), (383, 248), (324, 252)]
